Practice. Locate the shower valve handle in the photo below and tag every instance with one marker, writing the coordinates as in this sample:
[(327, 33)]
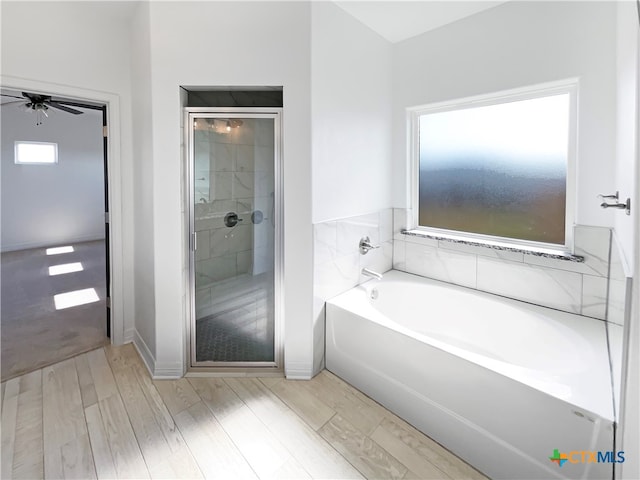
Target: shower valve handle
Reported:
[(365, 245), (231, 219)]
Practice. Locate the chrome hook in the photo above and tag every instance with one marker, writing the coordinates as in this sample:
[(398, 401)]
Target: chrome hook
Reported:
[(626, 206), (612, 197)]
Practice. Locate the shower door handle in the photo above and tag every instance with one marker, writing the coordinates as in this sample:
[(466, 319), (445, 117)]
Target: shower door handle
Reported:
[(194, 241)]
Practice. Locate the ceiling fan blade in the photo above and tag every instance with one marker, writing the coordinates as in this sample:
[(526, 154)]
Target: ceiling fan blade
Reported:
[(71, 103), (64, 108), (12, 96), (12, 103)]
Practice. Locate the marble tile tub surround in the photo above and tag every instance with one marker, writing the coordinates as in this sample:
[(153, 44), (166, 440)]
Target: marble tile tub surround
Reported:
[(617, 286), (617, 309), (575, 287), (338, 262)]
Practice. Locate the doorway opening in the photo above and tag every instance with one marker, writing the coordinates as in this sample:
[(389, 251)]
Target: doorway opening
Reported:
[(55, 254), (235, 231)]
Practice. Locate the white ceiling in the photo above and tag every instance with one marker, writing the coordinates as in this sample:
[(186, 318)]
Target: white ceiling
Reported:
[(399, 20)]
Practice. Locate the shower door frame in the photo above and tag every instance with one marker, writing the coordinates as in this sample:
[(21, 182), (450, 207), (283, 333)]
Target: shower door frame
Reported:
[(275, 113)]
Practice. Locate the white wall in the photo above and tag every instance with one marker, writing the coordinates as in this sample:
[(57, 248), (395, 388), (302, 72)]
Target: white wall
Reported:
[(351, 154), (514, 45), (630, 470), (79, 46), (628, 176), (630, 416), (217, 44), (351, 115), (144, 279), (626, 123), (45, 205)]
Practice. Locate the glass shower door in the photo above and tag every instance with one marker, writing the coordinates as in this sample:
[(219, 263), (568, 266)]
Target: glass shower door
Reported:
[(235, 240)]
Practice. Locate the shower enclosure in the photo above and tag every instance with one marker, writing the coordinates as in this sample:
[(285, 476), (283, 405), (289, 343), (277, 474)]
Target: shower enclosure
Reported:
[(235, 236)]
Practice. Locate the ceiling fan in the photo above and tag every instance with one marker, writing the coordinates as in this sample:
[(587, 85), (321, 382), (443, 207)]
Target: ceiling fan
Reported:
[(41, 103)]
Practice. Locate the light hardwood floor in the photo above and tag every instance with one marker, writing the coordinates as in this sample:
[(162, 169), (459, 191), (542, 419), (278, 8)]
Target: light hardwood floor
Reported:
[(100, 415)]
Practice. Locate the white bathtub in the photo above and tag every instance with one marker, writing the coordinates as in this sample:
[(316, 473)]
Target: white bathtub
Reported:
[(501, 383)]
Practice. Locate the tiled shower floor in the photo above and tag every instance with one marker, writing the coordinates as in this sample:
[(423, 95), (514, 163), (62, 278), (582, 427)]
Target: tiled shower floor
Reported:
[(237, 325)]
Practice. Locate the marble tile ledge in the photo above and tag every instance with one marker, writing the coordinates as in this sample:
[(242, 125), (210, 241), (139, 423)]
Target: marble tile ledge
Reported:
[(545, 254)]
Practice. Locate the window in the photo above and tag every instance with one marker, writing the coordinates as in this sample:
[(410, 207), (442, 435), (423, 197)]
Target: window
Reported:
[(498, 168), (36, 153)]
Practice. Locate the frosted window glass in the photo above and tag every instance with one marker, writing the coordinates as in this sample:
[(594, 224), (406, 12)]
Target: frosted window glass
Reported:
[(36, 153), (497, 170)]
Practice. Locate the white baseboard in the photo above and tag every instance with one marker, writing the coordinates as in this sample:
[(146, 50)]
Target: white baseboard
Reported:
[(157, 370), (298, 371), (168, 372), (145, 353), (50, 243), (129, 335)]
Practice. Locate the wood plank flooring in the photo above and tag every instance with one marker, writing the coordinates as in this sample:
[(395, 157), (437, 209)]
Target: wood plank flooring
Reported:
[(100, 415)]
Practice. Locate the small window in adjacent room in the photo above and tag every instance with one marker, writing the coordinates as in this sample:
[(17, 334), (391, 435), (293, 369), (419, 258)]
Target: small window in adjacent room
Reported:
[(498, 168), (36, 153)]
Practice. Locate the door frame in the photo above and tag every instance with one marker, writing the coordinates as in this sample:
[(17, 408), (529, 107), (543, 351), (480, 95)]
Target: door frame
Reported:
[(113, 179), (266, 368)]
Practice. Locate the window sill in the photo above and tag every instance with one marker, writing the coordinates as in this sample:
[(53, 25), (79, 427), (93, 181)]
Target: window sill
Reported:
[(567, 256)]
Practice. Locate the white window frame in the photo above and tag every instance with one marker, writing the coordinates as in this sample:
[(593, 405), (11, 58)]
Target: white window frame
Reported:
[(570, 87), (16, 158)]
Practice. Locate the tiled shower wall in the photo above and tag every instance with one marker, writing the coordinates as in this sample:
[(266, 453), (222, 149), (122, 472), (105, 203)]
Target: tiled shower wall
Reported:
[(233, 172), (338, 262), (564, 285)]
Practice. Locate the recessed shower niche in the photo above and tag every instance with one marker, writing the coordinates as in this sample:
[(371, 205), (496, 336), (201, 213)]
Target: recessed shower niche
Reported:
[(235, 236)]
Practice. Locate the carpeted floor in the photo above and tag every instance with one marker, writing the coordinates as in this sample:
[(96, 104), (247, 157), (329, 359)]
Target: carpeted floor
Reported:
[(34, 333)]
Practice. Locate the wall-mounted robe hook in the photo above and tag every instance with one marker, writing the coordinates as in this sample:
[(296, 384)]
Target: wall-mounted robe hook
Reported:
[(611, 197), (626, 206)]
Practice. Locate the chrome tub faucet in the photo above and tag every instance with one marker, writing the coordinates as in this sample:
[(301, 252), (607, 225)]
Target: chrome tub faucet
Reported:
[(370, 273)]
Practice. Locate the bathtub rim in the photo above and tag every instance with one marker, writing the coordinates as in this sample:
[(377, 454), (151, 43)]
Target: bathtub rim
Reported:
[(599, 404)]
